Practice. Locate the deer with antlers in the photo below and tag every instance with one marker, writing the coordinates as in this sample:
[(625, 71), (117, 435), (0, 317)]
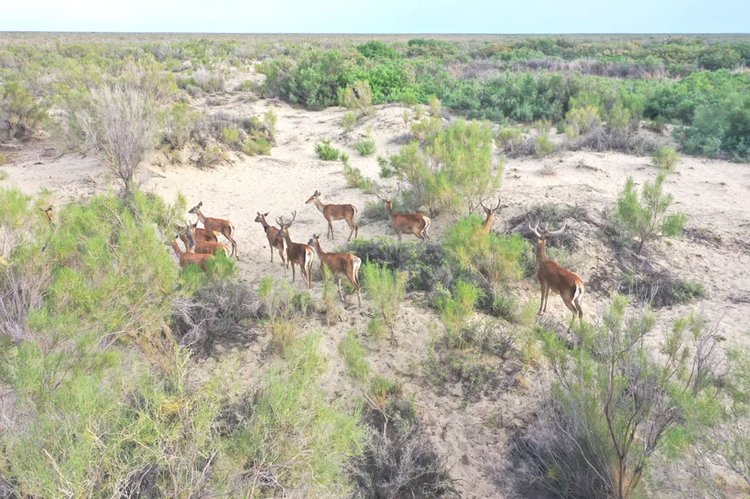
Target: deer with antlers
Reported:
[(489, 214), (335, 212), (275, 238), (408, 223), (220, 225), (188, 257), (297, 253), (340, 263), (552, 276)]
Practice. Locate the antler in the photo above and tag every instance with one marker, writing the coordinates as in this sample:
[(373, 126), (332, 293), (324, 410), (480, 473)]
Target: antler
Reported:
[(481, 203), (294, 216), (535, 230), (558, 231)]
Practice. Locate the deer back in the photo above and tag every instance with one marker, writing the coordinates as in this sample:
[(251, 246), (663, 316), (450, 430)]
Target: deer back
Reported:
[(338, 211), (409, 222), (557, 277)]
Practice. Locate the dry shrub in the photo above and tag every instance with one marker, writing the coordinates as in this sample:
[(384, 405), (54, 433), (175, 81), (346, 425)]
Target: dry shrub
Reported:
[(221, 312), (399, 459), (602, 138)]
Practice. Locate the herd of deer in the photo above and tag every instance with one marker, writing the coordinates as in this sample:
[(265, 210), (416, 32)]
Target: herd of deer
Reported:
[(202, 243)]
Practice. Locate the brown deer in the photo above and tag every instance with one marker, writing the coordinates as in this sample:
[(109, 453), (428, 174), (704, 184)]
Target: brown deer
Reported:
[(340, 263), (198, 235), (192, 243), (489, 214), (188, 257), (301, 254), (219, 225), (408, 223), (275, 238), (202, 234), (552, 276), (335, 212)]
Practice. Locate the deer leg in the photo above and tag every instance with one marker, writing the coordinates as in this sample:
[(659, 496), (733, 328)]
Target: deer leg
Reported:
[(271, 246), (354, 228), (546, 298), (577, 303), (541, 303), (341, 295), (573, 308), (330, 230), (293, 273), (399, 236)]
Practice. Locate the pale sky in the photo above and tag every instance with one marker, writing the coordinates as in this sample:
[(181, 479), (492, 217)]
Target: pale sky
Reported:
[(379, 16)]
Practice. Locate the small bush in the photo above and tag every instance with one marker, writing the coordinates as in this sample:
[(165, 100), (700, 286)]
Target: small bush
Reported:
[(358, 97), (365, 147), (387, 289), (326, 151), (510, 139), (581, 120), (543, 146), (179, 124), (355, 178), (220, 312), (349, 121), (646, 218), (665, 158)]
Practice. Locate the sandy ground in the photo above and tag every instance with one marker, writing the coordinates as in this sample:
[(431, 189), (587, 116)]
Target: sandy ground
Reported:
[(715, 195)]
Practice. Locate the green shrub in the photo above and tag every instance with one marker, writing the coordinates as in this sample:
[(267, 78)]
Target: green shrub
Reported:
[(582, 120), (455, 167), (365, 147), (498, 258), (20, 112), (387, 289), (230, 136), (456, 309), (357, 96), (615, 404), (180, 121), (665, 158), (326, 151), (646, 218)]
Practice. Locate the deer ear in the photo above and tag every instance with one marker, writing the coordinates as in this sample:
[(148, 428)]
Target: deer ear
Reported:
[(265, 214)]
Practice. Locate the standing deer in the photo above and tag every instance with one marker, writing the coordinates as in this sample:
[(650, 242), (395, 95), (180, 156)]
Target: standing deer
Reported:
[(275, 238), (188, 257), (301, 254), (408, 223), (219, 225), (335, 212), (202, 234), (340, 263), (196, 245), (489, 214), (552, 276)]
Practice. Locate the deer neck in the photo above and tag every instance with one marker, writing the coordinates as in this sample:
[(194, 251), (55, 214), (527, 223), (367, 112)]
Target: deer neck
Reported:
[(319, 205), (201, 217), (265, 225), (285, 234), (389, 209), (176, 248), (541, 252), (489, 222), (319, 250)]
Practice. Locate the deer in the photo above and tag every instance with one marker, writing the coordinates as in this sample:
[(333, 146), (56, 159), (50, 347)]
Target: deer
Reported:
[(202, 234), (409, 223), (489, 214), (335, 212), (275, 238), (192, 243), (554, 277), (188, 257), (297, 253), (220, 225), (339, 263)]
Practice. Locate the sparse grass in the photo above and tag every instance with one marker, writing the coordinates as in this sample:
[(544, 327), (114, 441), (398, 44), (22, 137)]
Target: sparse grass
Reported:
[(355, 358), (386, 289), (349, 120), (283, 306)]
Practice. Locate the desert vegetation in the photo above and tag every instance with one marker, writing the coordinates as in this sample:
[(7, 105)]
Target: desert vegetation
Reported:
[(140, 358)]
